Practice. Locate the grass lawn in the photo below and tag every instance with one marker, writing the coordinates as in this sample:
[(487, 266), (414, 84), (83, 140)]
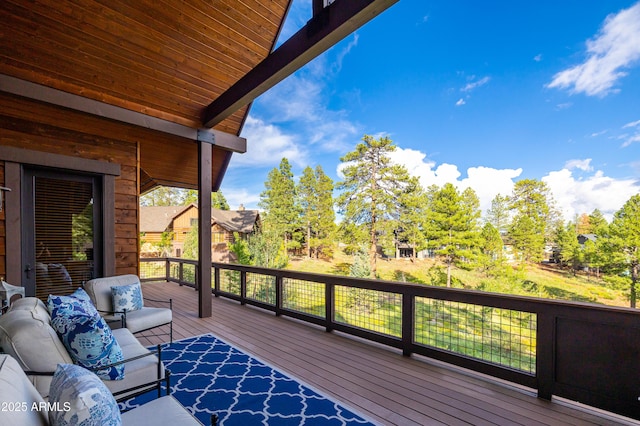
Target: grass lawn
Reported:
[(546, 281)]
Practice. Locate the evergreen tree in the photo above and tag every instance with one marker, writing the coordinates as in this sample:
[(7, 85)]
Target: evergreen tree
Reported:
[(414, 203), (491, 248), (498, 213), (453, 217), (315, 192), (217, 199), (281, 213), (535, 218), (371, 189), (162, 196), (568, 246), (624, 241)]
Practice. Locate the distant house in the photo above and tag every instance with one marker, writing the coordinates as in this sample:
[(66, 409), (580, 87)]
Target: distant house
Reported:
[(583, 238), (180, 220)]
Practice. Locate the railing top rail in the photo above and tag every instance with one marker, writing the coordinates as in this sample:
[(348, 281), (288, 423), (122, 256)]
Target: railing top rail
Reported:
[(497, 300)]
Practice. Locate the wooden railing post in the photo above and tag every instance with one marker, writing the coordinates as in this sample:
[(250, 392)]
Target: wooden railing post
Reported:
[(279, 295), (545, 354), (243, 287), (329, 302), (167, 269), (408, 319)]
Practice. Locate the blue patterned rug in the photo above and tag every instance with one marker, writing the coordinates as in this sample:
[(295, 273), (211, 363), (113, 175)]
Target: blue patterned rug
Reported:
[(209, 376)]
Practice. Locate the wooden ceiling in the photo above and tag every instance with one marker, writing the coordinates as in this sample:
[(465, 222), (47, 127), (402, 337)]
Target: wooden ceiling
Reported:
[(188, 63), (164, 58)]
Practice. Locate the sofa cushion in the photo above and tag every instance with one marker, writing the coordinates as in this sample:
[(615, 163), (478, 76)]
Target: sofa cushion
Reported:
[(85, 334), (89, 400), (99, 289), (127, 297), (35, 306), (142, 370), (147, 318), (28, 338), (18, 396)]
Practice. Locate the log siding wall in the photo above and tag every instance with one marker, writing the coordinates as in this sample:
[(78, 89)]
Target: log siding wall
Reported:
[(40, 127)]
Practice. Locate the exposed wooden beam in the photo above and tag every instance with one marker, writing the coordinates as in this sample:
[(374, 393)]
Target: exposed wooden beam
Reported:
[(57, 97), (328, 26)]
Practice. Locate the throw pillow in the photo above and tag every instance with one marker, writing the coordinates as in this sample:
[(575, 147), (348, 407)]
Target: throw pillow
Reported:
[(82, 399), (127, 297), (86, 335)]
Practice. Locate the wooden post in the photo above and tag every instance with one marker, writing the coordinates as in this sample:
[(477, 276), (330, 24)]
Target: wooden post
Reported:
[(204, 229)]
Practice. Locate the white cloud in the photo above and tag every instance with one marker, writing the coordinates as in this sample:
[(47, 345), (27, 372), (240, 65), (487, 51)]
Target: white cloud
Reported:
[(241, 196), (267, 144), (612, 51), (573, 195), (630, 138), (538, 57), (487, 182), (460, 102), (472, 85), (584, 165), (632, 124), (576, 196)]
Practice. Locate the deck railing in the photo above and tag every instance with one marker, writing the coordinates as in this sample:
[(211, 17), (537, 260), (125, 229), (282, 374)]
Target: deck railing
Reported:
[(584, 352)]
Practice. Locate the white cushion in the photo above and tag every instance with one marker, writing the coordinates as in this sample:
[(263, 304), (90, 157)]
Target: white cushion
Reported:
[(158, 411), (83, 397), (18, 396), (99, 290), (35, 306), (34, 344), (143, 370), (148, 317)]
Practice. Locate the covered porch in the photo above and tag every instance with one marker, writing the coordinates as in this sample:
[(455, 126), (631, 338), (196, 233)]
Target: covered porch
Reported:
[(375, 380)]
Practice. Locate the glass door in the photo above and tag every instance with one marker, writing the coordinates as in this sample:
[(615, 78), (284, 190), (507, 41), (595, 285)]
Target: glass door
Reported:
[(61, 231)]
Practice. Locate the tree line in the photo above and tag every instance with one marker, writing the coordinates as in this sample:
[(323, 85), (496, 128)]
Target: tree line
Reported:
[(381, 204)]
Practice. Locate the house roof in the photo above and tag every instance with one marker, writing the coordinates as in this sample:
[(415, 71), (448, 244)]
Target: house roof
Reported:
[(159, 218), (186, 68), (235, 220)]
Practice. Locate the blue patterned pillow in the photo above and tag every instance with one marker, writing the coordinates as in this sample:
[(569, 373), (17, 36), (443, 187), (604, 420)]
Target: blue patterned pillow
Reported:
[(127, 297), (85, 334), (83, 399)]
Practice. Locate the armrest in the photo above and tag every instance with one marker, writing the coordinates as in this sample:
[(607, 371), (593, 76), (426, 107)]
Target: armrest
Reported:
[(123, 317), (169, 302)]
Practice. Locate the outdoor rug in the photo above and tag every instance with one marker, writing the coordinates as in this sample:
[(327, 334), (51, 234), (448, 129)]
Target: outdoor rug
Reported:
[(209, 376)]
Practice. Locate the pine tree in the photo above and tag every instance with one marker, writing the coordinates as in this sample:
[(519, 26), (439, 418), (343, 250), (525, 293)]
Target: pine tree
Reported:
[(568, 246), (625, 241), (281, 213), (498, 213), (534, 218), (315, 194), (371, 189), (454, 220), (491, 245), (413, 216)]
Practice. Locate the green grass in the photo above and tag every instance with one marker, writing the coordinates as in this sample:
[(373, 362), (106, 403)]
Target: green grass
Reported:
[(546, 281)]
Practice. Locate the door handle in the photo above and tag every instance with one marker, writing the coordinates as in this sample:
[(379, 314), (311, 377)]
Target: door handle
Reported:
[(27, 270)]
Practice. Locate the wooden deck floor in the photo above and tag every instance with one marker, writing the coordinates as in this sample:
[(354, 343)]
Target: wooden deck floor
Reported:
[(374, 380)]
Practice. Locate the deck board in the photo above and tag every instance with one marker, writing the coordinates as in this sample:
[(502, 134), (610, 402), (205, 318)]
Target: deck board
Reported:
[(373, 379)]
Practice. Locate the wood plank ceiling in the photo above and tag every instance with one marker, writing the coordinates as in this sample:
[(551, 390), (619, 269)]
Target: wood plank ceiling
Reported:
[(163, 58)]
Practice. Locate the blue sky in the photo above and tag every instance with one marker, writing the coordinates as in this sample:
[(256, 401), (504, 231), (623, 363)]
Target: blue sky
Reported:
[(475, 95)]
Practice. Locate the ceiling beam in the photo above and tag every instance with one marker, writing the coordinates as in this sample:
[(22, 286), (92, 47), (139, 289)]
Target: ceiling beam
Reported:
[(327, 27), (57, 97)]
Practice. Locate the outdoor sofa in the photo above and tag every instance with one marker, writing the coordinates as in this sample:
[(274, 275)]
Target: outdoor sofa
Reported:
[(27, 335)]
